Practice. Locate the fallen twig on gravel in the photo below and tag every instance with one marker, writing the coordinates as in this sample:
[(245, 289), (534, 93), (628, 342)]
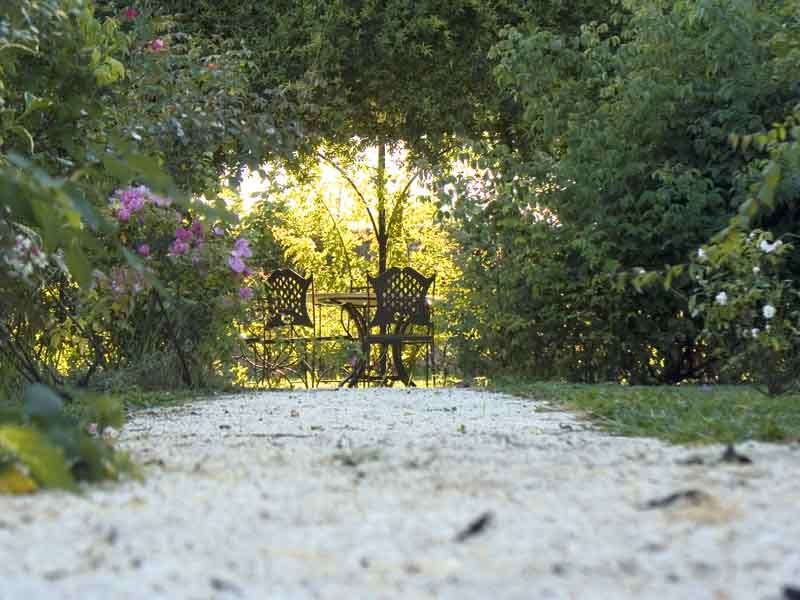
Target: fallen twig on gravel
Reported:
[(475, 527), (732, 456), (791, 592), (356, 456), (693, 496)]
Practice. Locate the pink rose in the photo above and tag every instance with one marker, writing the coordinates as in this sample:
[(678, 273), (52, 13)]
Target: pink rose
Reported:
[(143, 250), (157, 45), (197, 228), (130, 14), (236, 264), (178, 247), (242, 248), (182, 234)]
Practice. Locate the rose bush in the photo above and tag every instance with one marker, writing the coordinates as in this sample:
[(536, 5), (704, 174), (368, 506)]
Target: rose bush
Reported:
[(174, 291), (750, 309)]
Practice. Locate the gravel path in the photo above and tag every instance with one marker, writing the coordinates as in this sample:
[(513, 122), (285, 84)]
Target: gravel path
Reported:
[(396, 493)]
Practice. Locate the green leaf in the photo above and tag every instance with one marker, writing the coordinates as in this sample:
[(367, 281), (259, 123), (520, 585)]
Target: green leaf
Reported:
[(45, 462), (77, 262), (14, 481), (772, 175), (110, 71), (34, 103), (40, 401)]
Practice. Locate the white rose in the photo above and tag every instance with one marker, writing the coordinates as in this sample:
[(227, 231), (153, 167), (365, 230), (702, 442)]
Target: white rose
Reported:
[(768, 311), (767, 247), (755, 331), (756, 270), (721, 298)]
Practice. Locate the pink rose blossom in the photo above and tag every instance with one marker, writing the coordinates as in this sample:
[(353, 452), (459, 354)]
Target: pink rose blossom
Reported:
[(128, 201), (157, 45), (183, 235), (246, 293), (197, 228), (236, 264), (242, 248), (130, 14), (133, 198), (178, 247), (143, 250)]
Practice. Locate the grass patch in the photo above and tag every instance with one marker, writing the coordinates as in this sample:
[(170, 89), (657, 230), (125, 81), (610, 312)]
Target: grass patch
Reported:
[(679, 414), (139, 399)]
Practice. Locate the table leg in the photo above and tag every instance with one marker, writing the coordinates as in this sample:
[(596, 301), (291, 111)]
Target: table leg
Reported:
[(359, 318)]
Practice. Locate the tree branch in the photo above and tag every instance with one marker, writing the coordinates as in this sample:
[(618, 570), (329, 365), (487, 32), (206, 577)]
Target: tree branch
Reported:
[(353, 185)]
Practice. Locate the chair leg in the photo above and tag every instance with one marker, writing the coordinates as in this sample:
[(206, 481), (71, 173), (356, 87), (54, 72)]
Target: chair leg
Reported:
[(427, 365), (431, 349)]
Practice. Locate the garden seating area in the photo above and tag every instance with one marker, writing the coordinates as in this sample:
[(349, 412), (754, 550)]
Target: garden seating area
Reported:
[(293, 334), (406, 298), (221, 197)]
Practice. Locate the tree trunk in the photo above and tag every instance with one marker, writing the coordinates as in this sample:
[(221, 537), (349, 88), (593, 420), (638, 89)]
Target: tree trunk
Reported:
[(383, 238)]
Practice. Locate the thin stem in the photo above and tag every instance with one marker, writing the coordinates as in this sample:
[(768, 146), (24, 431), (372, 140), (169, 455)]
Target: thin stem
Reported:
[(355, 189)]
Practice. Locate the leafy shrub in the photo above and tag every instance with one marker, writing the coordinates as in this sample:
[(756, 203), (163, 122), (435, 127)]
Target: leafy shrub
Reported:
[(751, 314), (619, 163), (43, 445), (176, 288)]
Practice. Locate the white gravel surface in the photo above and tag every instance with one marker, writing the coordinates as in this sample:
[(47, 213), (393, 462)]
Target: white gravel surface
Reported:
[(369, 494)]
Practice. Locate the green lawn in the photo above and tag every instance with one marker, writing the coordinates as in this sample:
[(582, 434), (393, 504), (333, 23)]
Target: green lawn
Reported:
[(678, 414)]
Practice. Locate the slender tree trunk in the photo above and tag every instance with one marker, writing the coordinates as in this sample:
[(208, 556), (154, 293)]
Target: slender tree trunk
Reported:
[(383, 238), (187, 375)]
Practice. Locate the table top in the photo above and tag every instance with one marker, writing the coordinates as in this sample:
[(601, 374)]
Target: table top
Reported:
[(355, 298), (341, 298)]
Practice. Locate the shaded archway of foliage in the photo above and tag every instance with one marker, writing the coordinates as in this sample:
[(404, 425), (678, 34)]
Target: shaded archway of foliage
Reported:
[(365, 73), (417, 72)]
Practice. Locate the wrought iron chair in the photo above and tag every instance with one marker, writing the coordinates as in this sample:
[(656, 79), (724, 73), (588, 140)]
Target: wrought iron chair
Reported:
[(271, 345), (404, 319)]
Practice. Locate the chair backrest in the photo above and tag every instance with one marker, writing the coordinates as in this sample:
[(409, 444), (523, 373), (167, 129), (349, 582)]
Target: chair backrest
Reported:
[(287, 299), (401, 296)]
